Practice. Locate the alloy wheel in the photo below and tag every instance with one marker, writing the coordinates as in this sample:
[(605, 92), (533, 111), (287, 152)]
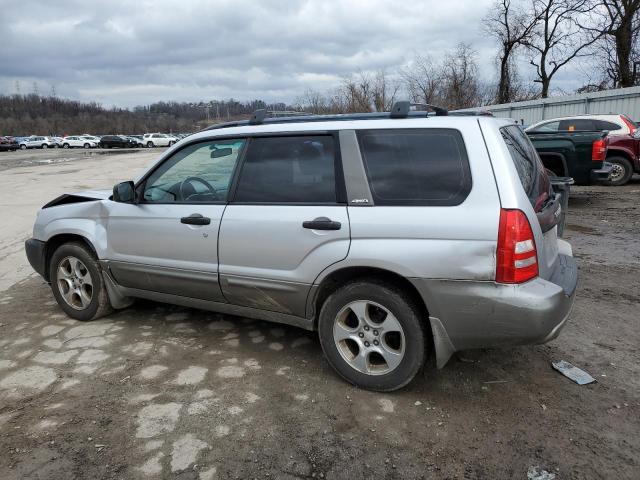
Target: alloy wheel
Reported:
[(369, 337), (74, 283)]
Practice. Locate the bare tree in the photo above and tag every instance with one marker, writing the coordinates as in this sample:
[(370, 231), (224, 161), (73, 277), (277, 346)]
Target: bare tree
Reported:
[(617, 27), (422, 80), (558, 37), (512, 28), (460, 84)]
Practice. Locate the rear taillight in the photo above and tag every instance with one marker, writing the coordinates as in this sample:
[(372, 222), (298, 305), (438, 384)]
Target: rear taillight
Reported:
[(517, 258), (599, 150), (627, 122)]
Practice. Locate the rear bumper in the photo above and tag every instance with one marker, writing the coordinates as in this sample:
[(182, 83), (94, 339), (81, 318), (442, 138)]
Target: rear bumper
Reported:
[(477, 314), (602, 173), (35, 250)]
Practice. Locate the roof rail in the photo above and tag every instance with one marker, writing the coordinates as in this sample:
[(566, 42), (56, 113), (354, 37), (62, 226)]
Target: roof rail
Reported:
[(258, 116), (401, 109)]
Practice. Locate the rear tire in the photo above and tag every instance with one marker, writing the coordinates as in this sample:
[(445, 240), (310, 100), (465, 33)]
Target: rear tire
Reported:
[(381, 347), (44, 146), (622, 171), (77, 283), (87, 146), (65, 145)]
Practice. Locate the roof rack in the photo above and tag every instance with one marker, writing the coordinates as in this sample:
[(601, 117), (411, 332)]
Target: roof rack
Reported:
[(400, 109)]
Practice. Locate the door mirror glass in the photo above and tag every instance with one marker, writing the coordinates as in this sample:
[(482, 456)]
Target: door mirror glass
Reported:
[(124, 192), (221, 152)]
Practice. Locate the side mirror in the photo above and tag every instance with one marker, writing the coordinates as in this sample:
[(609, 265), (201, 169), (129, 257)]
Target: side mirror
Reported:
[(124, 192)]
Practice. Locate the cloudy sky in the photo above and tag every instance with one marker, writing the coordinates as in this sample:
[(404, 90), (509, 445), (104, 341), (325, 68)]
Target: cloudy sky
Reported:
[(129, 53)]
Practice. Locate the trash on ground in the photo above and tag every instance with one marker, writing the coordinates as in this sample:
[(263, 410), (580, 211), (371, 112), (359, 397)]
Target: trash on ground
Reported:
[(536, 473), (574, 373)]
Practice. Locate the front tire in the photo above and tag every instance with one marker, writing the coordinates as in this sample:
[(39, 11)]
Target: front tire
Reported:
[(77, 283), (23, 147), (372, 335), (65, 145), (149, 144), (622, 171), (45, 146), (87, 146)]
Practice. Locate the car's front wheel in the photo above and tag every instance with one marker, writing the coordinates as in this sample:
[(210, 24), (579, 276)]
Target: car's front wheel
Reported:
[(371, 334), (44, 145), (149, 144), (65, 145), (77, 283), (23, 147), (86, 145)]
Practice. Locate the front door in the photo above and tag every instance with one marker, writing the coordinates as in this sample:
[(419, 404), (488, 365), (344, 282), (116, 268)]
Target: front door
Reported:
[(286, 223), (168, 241)]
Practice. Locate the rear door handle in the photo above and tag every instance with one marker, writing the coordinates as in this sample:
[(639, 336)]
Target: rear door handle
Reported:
[(321, 223), (195, 219)]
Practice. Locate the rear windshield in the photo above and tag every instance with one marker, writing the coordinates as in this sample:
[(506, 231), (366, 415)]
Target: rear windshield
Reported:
[(416, 166), (532, 173)]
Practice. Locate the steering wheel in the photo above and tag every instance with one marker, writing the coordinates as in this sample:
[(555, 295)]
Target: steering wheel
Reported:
[(185, 194)]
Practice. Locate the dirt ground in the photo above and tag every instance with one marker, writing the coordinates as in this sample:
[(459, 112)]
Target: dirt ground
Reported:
[(157, 391)]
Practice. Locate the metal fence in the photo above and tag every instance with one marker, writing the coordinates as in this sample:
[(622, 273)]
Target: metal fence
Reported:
[(621, 100)]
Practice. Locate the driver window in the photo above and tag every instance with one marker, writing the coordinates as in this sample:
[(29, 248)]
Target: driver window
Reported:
[(198, 173)]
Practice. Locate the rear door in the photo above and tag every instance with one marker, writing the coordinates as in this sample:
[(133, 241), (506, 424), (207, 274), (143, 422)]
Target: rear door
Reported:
[(286, 222), (537, 185)]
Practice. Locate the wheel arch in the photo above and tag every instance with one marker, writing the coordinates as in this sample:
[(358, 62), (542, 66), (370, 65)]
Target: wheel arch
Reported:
[(56, 241)]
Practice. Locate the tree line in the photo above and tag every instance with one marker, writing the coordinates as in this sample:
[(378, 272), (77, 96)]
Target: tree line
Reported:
[(545, 36)]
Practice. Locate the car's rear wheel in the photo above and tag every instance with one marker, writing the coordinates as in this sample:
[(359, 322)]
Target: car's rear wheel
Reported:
[(65, 145), (86, 145), (44, 145), (171, 143), (621, 173), (77, 283), (371, 334)]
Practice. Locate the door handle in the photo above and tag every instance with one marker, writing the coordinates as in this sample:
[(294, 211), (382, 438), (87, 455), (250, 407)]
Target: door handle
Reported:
[(321, 223), (195, 219)]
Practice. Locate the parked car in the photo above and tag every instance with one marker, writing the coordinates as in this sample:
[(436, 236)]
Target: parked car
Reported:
[(136, 140), (8, 144), (158, 140), (91, 138), (38, 142), (391, 234), (77, 142), (624, 154), (580, 155), (111, 141), (614, 124)]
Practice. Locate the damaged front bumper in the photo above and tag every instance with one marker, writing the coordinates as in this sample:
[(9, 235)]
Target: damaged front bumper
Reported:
[(36, 254)]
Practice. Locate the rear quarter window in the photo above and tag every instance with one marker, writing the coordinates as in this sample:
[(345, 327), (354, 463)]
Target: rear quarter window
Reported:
[(416, 166), (532, 173)]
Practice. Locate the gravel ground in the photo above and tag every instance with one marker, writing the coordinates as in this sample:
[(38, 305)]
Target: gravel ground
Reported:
[(157, 391)]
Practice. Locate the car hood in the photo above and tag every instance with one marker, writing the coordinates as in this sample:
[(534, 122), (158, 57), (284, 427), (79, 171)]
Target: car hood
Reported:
[(83, 196)]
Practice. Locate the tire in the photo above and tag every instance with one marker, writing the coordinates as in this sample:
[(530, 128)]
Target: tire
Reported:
[(77, 302), (171, 143), (45, 146), (622, 171), (405, 337), (23, 147), (87, 146), (149, 144), (65, 145)]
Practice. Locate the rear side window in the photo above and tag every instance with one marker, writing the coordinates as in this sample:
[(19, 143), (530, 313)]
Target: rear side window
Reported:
[(602, 125), (548, 127), (532, 173), (296, 169), (577, 125), (416, 167)]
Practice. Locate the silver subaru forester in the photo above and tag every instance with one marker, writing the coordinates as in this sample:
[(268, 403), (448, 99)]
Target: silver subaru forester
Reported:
[(392, 234)]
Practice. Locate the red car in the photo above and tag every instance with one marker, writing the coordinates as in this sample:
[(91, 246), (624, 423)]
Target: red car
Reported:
[(8, 144), (624, 154)]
